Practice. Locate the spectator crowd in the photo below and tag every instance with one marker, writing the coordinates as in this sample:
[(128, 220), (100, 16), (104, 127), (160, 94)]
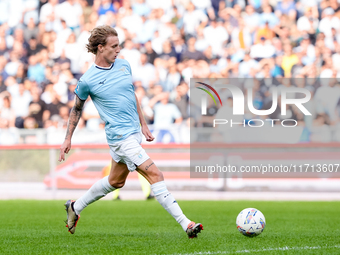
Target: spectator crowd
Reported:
[(43, 55)]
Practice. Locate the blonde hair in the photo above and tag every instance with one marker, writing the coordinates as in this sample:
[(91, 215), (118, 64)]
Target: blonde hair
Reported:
[(98, 36)]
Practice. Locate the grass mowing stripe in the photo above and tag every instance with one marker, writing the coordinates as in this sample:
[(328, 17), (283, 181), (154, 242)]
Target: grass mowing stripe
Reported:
[(262, 250)]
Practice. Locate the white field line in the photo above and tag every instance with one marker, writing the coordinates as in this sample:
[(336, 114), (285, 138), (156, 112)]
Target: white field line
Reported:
[(287, 248)]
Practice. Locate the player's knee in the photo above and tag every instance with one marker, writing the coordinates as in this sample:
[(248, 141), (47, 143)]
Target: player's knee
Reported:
[(117, 184)]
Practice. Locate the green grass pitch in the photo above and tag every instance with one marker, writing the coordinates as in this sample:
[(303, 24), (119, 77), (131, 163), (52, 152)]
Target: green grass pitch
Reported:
[(144, 227)]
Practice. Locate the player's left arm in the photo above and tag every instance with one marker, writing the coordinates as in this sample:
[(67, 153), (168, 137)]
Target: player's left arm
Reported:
[(145, 129)]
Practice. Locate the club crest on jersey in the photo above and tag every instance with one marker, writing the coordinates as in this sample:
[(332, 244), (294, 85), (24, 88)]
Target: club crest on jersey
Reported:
[(124, 70)]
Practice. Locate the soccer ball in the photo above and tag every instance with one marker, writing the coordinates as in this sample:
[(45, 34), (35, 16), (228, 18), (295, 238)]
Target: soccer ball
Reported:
[(250, 222)]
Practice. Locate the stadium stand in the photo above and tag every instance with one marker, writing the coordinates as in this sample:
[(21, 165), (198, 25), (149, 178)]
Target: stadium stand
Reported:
[(42, 55)]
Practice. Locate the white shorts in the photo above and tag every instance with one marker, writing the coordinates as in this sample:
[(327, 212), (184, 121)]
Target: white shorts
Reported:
[(129, 151)]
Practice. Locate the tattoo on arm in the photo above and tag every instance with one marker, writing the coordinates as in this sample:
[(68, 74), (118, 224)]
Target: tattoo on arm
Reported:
[(147, 167), (74, 116)]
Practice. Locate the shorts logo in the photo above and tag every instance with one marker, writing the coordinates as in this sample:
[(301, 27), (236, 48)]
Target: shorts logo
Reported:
[(140, 155)]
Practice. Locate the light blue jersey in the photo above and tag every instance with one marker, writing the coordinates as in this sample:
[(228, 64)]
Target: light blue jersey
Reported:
[(112, 92)]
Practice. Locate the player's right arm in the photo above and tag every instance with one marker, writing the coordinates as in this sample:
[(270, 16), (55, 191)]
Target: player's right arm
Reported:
[(71, 126)]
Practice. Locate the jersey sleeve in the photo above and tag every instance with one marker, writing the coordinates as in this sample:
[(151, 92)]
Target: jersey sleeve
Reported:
[(82, 90), (129, 67)]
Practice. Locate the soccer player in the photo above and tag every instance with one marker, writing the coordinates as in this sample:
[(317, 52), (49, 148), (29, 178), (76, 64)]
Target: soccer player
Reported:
[(109, 83)]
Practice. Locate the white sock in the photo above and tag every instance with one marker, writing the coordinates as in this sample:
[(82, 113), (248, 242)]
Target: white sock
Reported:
[(96, 192), (169, 203)]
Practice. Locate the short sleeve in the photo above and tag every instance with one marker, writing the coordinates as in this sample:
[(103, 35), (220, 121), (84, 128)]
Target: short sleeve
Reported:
[(129, 67), (82, 90)]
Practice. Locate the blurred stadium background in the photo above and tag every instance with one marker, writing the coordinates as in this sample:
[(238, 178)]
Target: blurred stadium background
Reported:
[(168, 42)]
